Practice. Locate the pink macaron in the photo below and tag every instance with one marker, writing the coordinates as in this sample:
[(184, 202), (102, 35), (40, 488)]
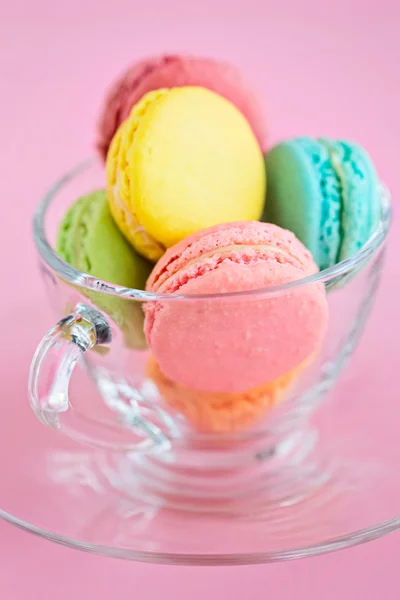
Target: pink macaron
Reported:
[(176, 71), (229, 344)]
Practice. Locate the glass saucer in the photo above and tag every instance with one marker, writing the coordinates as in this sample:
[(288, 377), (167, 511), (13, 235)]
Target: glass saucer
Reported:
[(99, 501)]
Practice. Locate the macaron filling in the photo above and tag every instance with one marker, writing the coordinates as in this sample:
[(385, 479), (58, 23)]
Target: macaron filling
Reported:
[(237, 253), (252, 235)]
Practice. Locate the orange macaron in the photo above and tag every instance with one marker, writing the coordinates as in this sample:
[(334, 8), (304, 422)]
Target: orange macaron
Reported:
[(223, 412)]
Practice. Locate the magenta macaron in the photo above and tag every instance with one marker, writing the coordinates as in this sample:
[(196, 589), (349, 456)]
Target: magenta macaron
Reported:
[(219, 343)]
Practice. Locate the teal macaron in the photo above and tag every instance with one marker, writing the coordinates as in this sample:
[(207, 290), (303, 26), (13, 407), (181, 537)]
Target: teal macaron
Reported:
[(327, 192)]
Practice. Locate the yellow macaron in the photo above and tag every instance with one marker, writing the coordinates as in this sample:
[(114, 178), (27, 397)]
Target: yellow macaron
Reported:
[(184, 160)]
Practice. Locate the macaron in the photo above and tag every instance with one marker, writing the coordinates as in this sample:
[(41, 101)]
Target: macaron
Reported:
[(185, 159), (89, 240), (231, 344), (209, 412), (176, 71), (326, 192)]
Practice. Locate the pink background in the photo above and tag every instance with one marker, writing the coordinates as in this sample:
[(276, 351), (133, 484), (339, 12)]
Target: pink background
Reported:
[(333, 71)]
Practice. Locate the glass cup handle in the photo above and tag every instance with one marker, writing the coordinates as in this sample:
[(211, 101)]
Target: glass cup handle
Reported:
[(50, 373)]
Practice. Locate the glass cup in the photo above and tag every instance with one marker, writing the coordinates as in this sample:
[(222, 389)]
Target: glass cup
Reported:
[(197, 450)]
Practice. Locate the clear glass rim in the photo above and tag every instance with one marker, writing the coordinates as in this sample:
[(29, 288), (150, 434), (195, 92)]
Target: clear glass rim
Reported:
[(355, 538), (84, 280)]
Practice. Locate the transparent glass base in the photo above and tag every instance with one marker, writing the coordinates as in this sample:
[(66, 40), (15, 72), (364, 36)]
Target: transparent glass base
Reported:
[(331, 485)]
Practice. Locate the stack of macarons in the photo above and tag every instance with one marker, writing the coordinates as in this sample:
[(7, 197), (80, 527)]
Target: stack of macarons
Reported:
[(197, 206)]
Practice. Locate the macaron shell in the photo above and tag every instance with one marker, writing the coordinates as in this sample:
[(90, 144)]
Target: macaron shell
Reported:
[(232, 344), (303, 195), (121, 200), (90, 241), (177, 71), (194, 163), (120, 100), (327, 192), (186, 159), (360, 194), (69, 237)]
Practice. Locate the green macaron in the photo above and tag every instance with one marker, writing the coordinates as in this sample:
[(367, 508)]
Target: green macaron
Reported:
[(89, 240)]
